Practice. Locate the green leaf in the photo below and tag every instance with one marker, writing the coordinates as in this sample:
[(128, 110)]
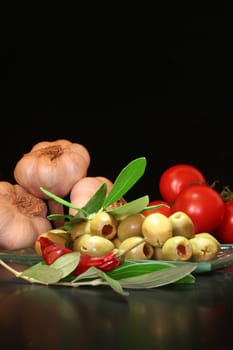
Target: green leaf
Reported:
[(93, 272), (59, 217), (42, 273), (50, 274), (154, 207), (114, 284), (186, 280), (137, 269), (127, 178), (90, 273), (60, 200), (66, 263), (129, 208), (158, 278), (96, 201)]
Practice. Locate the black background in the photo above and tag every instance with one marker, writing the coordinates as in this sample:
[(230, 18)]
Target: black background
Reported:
[(125, 82)]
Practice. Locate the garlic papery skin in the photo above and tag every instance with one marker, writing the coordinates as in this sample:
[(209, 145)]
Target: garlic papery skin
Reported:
[(85, 188), (54, 165), (22, 217)]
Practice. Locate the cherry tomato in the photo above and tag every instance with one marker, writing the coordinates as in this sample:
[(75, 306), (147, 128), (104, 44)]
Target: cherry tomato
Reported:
[(203, 205), (163, 209), (225, 231), (176, 178)]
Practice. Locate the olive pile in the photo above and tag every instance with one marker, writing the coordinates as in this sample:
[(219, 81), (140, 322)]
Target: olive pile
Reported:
[(140, 237), (161, 237)]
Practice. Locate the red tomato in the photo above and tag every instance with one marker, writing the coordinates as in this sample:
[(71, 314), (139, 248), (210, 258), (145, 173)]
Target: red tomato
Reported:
[(225, 231), (176, 178), (163, 209), (204, 206)]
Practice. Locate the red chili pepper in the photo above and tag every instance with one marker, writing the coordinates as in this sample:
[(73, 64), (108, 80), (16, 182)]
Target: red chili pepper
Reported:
[(105, 263), (51, 251)]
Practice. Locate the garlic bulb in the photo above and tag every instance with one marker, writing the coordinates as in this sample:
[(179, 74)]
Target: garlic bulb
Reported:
[(54, 165), (85, 188), (22, 217)]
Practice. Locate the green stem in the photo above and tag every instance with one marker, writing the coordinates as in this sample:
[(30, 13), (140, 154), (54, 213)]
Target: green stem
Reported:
[(96, 282), (62, 201), (9, 268), (19, 274)]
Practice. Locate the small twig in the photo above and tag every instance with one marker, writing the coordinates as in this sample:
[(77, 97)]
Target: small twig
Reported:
[(96, 282), (9, 268), (18, 274)]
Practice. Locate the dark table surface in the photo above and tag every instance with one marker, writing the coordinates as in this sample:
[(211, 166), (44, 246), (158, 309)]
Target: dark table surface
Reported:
[(196, 316)]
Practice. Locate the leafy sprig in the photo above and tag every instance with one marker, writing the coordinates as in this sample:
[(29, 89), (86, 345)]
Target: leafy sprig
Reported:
[(129, 275), (101, 201)]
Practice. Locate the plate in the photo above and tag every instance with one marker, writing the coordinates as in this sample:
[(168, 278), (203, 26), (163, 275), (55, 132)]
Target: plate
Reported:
[(224, 258), (23, 256)]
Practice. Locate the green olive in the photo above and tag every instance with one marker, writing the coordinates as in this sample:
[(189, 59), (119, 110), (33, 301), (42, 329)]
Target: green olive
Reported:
[(205, 247), (177, 248), (208, 235), (96, 246), (156, 229), (79, 241), (130, 226), (103, 224), (80, 228), (135, 250), (182, 225)]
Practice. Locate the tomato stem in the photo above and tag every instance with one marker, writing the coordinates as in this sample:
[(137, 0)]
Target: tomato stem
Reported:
[(226, 194)]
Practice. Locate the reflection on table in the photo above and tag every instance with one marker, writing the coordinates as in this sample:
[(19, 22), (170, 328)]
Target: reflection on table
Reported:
[(182, 316)]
